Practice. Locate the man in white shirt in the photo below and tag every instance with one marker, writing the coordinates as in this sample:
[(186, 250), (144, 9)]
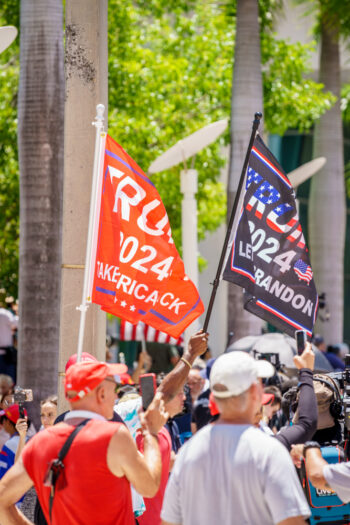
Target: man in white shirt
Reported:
[(230, 472), (8, 324)]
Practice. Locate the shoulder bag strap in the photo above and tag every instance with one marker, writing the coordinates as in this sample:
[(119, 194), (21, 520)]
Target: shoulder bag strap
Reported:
[(58, 465)]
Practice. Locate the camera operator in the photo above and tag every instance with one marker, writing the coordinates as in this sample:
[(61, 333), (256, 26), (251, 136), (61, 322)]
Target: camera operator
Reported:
[(329, 431), (324, 475), (305, 419)]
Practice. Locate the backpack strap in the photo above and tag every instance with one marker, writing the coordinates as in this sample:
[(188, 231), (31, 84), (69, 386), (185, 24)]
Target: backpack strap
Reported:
[(57, 465)]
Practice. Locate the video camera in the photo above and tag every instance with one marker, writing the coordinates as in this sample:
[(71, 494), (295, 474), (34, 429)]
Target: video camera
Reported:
[(111, 340), (343, 380), (20, 396), (271, 357), (274, 359)]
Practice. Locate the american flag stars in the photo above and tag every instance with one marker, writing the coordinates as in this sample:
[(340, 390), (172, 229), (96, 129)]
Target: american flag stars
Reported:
[(124, 304)]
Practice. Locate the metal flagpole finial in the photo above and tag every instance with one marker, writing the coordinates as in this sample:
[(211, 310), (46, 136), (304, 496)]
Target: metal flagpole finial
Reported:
[(257, 117), (100, 109), (99, 119)]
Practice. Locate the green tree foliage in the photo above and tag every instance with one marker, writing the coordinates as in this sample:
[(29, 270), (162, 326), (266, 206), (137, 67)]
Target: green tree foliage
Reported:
[(170, 77), (300, 100), (335, 13), (170, 73), (9, 181)]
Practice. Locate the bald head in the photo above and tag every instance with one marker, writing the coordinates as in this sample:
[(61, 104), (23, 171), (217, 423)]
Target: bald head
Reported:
[(100, 400)]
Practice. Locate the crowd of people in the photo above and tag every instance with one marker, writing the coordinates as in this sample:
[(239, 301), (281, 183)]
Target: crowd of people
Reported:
[(225, 440)]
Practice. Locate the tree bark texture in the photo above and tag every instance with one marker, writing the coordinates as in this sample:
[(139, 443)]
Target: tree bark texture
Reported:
[(40, 144), (247, 99), (327, 206)]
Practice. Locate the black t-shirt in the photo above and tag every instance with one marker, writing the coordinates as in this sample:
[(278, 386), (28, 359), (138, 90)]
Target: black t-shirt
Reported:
[(330, 435), (161, 355), (201, 415)]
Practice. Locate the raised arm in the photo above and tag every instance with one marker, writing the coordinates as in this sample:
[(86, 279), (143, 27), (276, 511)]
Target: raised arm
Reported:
[(303, 429), (176, 379), (21, 427)]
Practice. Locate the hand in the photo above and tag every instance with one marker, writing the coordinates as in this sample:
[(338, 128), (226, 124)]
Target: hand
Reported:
[(22, 427), (296, 454), (145, 361), (306, 359), (198, 344), (155, 416)]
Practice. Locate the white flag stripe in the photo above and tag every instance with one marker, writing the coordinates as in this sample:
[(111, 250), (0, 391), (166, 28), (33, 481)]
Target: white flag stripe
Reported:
[(130, 332), (162, 337), (140, 331), (151, 333)]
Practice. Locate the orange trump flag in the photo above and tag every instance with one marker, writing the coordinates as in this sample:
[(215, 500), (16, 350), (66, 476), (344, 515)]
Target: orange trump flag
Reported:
[(138, 273)]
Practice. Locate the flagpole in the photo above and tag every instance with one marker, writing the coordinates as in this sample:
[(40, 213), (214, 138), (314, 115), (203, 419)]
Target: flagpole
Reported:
[(99, 119), (256, 122)]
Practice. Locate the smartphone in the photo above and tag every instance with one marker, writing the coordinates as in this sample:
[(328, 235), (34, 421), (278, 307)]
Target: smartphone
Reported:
[(148, 387), (300, 337)]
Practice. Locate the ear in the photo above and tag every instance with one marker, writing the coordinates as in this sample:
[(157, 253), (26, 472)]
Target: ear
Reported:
[(100, 394), (255, 392)]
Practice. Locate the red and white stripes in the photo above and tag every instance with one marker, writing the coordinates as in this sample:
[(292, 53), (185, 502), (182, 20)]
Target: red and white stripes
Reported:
[(141, 331)]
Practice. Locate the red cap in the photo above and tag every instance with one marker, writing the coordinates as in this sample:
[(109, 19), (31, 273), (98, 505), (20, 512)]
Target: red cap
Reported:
[(85, 376), (125, 379), (84, 357), (267, 399), (213, 408), (12, 413)]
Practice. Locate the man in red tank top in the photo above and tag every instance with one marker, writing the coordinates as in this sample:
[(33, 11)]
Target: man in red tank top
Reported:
[(102, 461)]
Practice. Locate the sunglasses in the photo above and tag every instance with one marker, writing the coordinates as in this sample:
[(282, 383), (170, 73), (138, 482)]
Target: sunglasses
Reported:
[(117, 386)]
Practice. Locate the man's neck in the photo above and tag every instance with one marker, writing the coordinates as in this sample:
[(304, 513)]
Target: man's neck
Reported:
[(83, 414), (242, 419)]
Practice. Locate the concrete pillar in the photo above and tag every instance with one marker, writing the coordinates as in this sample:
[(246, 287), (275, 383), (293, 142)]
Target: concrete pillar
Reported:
[(86, 86), (189, 188)]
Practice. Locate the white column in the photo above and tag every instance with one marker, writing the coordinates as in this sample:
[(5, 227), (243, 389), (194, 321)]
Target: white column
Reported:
[(189, 187), (86, 86)]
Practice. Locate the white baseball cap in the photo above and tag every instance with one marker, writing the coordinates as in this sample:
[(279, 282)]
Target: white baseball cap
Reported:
[(233, 373)]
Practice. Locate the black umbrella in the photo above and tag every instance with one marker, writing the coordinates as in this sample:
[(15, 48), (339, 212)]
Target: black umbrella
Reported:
[(284, 346)]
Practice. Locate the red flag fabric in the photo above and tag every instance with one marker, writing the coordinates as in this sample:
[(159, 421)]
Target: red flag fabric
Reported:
[(139, 275)]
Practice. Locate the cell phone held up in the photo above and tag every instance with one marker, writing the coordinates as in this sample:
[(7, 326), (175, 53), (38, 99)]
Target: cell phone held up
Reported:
[(19, 397), (301, 339), (148, 387)]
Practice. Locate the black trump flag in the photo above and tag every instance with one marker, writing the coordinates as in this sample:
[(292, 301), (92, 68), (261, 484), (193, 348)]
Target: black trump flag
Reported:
[(269, 258)]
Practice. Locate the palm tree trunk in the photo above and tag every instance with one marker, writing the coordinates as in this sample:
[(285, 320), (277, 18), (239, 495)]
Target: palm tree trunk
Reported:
[(247, 98), (327, 195), (40, 142)]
